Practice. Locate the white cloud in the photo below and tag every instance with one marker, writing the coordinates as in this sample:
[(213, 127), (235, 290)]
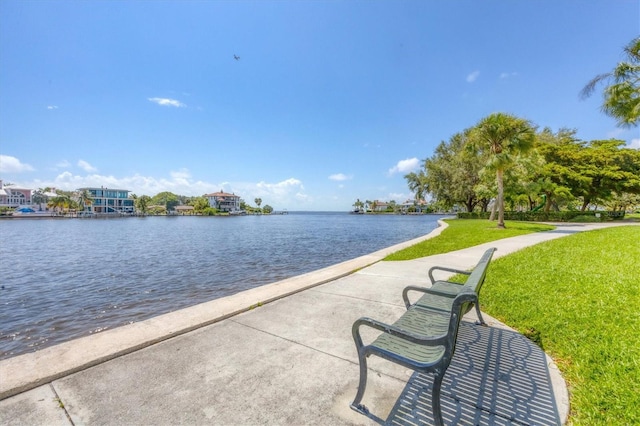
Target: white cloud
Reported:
[(63, 164), (280, 188), (52, 107), (635, 144), (9, 164), (506, 75), (339, 177), (86, 166), (183, 174), (473, 76), (405, 166), (167, 102)]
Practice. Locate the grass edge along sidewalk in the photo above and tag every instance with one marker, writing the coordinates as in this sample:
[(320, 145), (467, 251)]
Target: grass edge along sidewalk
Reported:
[(465, 233), (576, 297)]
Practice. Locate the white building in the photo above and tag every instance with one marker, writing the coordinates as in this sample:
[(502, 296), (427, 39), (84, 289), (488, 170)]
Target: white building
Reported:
[(13, 197), (224, 201)]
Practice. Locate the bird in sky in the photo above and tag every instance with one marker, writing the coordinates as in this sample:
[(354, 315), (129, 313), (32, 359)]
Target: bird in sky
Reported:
[(236, 57)]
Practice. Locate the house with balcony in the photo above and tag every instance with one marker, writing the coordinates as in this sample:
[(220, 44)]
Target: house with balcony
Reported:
[(224, 202), (109, 201), (13, 197)]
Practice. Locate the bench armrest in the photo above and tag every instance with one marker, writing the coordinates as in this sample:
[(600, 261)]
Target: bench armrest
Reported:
[(407, 289), (394, 331), (442, 268)]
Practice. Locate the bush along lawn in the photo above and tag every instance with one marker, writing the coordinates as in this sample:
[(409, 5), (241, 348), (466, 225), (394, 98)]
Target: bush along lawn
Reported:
[(463, 233), (578, 297)]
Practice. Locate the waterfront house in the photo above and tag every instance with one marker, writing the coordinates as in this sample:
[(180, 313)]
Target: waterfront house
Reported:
[(182, 210), (109, 201), (380, 206), (224, 202), (13, 197), (417, 206)]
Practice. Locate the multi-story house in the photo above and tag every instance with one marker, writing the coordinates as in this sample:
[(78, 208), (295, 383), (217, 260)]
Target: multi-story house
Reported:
[(224, 201), (109, 201), (380, 206), (13, 197)]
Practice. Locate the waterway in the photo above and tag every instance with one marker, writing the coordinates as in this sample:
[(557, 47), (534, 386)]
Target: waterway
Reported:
[(62, 279)]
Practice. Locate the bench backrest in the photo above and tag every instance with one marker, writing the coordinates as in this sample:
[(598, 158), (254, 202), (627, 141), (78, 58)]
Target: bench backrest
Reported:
[(476, 279)]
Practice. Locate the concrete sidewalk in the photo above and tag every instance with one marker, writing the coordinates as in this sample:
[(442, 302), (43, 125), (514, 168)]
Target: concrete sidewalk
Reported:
[(279, 354)]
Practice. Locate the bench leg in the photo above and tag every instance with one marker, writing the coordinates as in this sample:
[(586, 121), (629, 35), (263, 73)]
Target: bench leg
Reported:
[(480, 319), (361, 386), (435, 400)]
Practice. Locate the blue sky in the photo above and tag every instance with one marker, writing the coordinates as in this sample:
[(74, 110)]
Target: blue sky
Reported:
[(330, 101)]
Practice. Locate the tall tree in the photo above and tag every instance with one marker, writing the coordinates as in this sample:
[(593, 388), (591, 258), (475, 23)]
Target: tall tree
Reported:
[(167, 199), (558, 173), (622, 91), (451, 174), (609, 169), (142, 203), (502, 137), (200, 204), (39, 197), (84, 199), (418, 184)]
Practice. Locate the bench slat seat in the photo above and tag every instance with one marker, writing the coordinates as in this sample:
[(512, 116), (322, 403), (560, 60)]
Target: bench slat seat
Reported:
[(440, 294), (421, 322)]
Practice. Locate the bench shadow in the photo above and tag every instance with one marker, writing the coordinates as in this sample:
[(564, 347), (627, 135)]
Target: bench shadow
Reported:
[(496, 377)]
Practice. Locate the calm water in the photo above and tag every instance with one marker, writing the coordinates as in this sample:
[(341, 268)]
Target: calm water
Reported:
[(66, 278)]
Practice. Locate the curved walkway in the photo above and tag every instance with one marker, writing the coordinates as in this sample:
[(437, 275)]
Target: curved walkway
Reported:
[(283, 354)]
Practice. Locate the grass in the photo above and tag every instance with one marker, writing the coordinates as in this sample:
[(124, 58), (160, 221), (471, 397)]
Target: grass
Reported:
[(579, 297), (463, 233)]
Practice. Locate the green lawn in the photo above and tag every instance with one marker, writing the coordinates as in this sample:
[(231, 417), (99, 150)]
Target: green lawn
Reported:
[(579, 298), (463, 233)]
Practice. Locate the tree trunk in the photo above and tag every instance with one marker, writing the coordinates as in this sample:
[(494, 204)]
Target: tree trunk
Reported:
[(484, 204), (494, 207), (499, 178), (547, 204), (470, 204), (585, 204)]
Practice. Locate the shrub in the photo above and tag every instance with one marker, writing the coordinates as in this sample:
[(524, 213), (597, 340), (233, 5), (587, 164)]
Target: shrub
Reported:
[(584, 218), (554, 216)]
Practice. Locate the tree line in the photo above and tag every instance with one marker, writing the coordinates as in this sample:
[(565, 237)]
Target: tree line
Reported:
[(168, 201), (507, 159)]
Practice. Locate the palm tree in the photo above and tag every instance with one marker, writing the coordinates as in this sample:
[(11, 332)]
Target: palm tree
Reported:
[(502, 136), (38, 197), (367, 205), (85, 199), (61, 202), (622, 93), (417, 183)]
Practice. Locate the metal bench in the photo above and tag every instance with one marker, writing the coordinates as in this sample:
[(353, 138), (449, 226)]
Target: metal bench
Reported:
[(422, 339), (441, 293)]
